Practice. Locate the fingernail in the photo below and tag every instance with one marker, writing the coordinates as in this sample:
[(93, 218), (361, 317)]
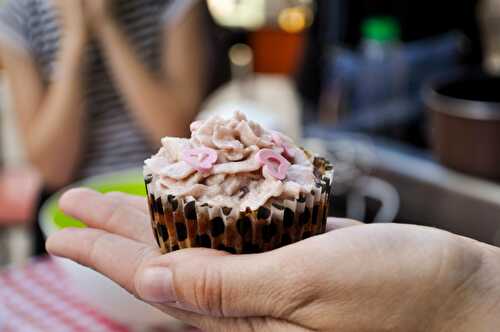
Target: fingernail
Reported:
[(155, 285)]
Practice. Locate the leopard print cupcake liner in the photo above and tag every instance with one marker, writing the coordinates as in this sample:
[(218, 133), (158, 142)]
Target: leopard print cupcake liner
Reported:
[(179, 223)]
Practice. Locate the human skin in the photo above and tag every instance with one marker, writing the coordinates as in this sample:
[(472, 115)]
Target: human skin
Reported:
[(45, 114), (51, 117), (353, 278), (165, 101)]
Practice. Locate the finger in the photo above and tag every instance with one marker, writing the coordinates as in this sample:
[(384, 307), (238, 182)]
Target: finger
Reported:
[(213, 283), (137, 202), (125, 262), (337, 223), (116, 257), (105, 212)]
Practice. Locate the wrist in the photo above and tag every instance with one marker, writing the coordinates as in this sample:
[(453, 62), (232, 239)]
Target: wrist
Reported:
[(475, 303)]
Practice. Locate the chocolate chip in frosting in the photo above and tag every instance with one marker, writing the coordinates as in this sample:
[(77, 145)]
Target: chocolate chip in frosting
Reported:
[(217, 226), (190, 210)]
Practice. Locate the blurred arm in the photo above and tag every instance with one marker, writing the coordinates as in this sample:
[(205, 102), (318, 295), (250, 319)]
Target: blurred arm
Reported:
[(49, 118), (19, 190), (163, 103)]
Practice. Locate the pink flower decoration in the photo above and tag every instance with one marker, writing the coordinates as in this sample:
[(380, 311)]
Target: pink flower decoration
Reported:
[(201, 159), (278, 140), (273, 163)]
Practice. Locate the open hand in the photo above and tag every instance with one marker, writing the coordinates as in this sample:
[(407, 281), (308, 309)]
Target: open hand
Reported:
[(359, 278)]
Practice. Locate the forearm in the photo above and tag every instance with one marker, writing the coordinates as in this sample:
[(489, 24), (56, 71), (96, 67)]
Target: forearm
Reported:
[(54, 139), (150, 97)]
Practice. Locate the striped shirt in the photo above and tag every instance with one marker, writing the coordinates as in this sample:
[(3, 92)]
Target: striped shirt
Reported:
[(114, 140)]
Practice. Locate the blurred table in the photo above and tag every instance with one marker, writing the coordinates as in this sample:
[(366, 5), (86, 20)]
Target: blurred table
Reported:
[(38, 298)]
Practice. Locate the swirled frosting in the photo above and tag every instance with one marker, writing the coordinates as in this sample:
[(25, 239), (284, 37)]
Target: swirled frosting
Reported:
[(233, 170)]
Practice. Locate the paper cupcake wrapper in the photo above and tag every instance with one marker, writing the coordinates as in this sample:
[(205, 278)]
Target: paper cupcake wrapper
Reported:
[(179, 223)]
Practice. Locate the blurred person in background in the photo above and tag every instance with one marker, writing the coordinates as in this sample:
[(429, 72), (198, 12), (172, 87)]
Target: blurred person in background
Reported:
[(96, 83)]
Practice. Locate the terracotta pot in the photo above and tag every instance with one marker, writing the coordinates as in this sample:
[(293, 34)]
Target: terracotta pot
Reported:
[(277, 51), (465, 118)]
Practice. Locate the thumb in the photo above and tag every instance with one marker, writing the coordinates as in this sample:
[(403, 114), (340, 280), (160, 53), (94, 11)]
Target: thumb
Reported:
[(213, 283)]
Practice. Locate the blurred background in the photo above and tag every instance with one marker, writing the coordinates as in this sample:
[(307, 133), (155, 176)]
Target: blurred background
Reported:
[(402, 95)]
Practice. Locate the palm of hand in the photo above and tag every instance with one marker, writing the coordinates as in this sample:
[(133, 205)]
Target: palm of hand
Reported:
[(363, 278)]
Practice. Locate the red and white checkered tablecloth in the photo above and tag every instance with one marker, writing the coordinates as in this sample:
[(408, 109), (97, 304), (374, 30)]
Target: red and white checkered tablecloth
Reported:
[(38, 298)]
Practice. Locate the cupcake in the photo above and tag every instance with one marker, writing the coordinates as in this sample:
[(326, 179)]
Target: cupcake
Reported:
[(235, 186)]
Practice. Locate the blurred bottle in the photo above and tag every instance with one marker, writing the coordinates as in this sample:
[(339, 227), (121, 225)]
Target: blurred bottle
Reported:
[(489, 15), (241, 57), (268, 99), (383, 72)]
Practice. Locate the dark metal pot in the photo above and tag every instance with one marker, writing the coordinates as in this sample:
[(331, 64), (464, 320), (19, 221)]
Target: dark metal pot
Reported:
[(465, 119)]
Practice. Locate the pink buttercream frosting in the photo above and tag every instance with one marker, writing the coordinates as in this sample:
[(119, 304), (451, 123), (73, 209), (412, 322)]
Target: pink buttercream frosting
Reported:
[(231, 163)]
